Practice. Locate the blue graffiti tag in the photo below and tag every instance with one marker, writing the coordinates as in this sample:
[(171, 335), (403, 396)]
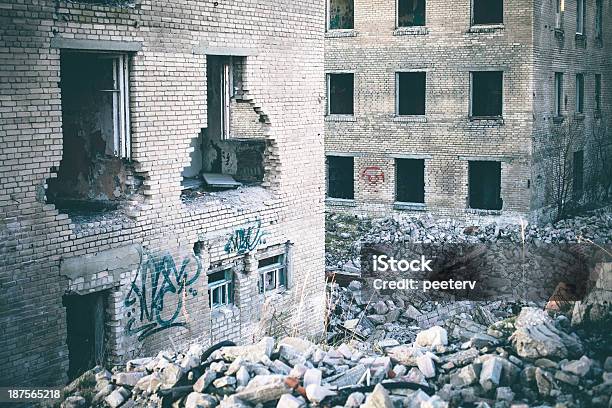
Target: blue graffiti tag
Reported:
[(158, 277), (245, 239)]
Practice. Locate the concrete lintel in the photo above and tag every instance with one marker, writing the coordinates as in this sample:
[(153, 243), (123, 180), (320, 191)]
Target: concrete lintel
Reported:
[(411, 156), (115, 261), (205, 49), (95, 45), (345, 154), (504, 159)]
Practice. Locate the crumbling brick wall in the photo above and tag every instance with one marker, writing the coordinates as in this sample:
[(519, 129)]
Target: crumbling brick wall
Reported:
[(167, 46)]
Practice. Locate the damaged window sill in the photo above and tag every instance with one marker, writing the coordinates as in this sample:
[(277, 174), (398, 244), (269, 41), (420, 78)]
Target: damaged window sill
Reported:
[(223, 312), (414, 30), (340, 33), (340, 202), (410, 118), (558, 119), (340, 118), (487, 120), (398, 205), (477, 211), (485, 28)]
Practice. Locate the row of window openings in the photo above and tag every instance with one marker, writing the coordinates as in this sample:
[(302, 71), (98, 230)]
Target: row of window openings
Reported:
[(272, 276), (411, 13), (486, 93), (561, 99), (580, 16), (484, 181)]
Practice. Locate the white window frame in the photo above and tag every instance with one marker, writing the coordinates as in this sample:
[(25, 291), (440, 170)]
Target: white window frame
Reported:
[(277, 270), (559, 94), (580, 16), (121, 106), (226, 98), (225, 287), (559, 11)]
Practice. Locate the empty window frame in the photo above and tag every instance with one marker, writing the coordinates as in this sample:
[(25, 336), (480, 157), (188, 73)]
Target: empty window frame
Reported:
[(578, 174), (341, 15), (559, 11), (272, 274), (579, 93), (558, 94), (485, 185), (487, 94), (580, 16), (224, 81), (410, 93), (410, 180), (340, 177), (598, 93), (599, 19), (221, 288), (487, 12), (340, 93), (411, 13)]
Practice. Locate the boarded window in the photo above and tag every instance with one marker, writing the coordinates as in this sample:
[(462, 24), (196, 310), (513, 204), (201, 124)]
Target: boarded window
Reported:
[(411, 93), (410, 13), (488, 11), (485, 185), (340, 94), (558, 94), (410, 180), (272, 274), (340, 179), (220, 288), (578, 174), (580, 93), (598, 93), (487, 93), (341, 14), (580, 16)]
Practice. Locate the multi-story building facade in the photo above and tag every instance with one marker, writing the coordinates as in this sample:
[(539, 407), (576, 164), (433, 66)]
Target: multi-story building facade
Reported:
[(449, 107), (161, 178)]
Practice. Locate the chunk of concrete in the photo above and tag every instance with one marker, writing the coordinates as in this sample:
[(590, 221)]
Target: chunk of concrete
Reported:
[(379, 398), (435, 336), (490, 373), (289, 401)]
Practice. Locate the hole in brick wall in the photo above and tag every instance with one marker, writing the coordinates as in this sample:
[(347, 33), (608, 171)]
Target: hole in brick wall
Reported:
[(85, 331), (341, 14), (231, 151), (410, 180), (410, 13), (411, 93), (485, 185), (340, 94), (340, 177), (95, 174), (487, 93), (488, 12)]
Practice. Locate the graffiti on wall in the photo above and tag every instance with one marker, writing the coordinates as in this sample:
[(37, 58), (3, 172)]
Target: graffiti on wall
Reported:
[(373, 175), (158, 292), (245, 239)]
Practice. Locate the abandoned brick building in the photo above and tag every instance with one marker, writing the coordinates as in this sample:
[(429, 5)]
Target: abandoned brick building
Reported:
[(450, 106), (161, 178)]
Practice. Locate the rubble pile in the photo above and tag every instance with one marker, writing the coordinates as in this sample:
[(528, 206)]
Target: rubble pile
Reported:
[(346, 234), (525, 360)]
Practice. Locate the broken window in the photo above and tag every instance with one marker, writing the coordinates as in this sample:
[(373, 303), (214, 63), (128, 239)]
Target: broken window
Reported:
[(599, 19), (272, 274), (340, 177), (410, 180), (341, 14), (485, 185), (220, 288), (598, 93), (558, 94), (580, 16), (487, 93), (230, 152), (95, 129), (411, 93), (580, 93), (410, 13), (340, 88), (559, 10), (578, 174), (85, 332), (488, 12)]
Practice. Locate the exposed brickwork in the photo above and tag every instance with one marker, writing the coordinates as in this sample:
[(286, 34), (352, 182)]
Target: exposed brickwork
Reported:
[(284, 79), (447, 49)]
